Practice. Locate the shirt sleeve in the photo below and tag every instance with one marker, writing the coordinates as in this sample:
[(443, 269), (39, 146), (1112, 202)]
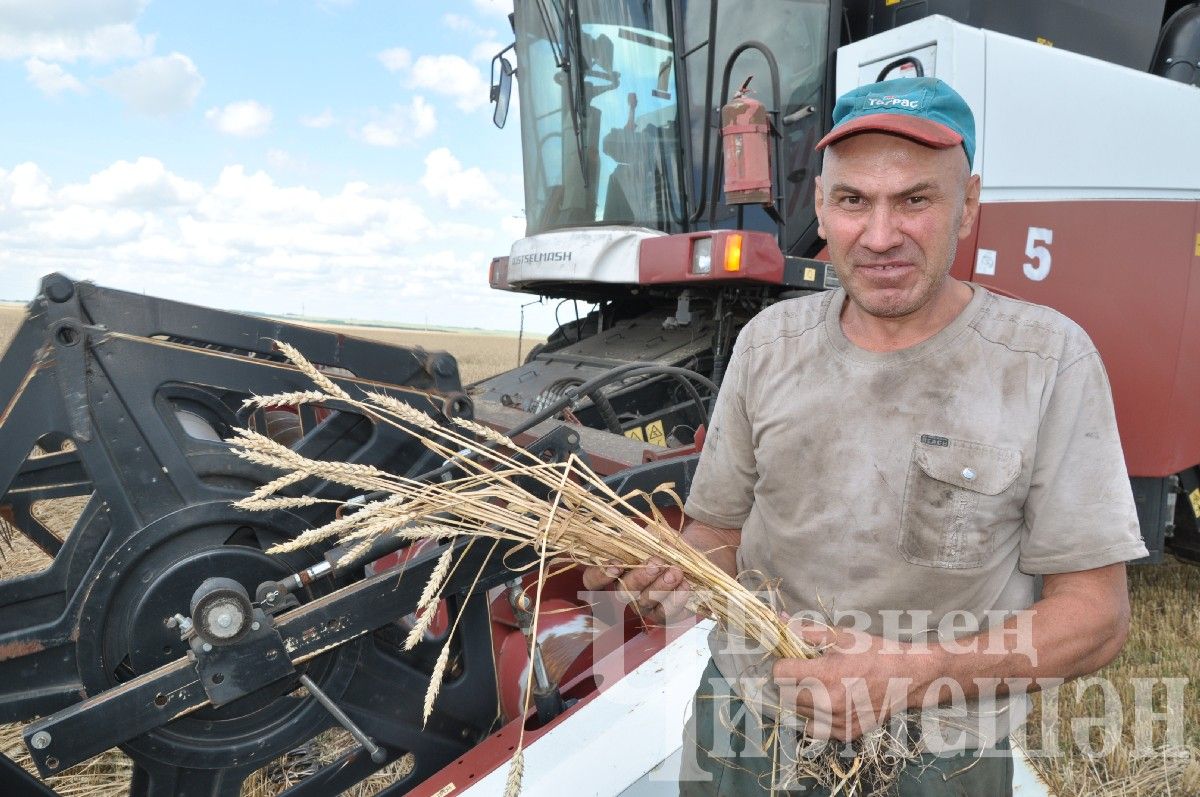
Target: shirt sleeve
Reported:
[(722, 491), (1079, 513)]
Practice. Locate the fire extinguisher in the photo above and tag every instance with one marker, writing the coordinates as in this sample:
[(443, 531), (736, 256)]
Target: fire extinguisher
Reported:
[(745, 136)]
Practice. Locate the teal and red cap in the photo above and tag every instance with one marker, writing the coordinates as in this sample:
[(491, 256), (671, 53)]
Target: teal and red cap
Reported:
[(923, 109)]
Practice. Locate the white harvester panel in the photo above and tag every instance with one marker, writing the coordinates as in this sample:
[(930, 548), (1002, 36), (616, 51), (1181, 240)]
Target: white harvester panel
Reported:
[(594, 254), (1051, 124)]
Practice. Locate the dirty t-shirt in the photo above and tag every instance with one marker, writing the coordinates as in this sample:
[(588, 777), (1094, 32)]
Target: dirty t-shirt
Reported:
[(918, 488)]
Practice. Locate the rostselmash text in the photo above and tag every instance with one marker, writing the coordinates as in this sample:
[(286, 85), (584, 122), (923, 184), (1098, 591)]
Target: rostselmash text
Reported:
[(541, 257)]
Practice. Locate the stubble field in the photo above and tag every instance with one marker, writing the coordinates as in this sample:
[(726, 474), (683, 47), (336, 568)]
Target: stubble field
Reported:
[(1164, 644)]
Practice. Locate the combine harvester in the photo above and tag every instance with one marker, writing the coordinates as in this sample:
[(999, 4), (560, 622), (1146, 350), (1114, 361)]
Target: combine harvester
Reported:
[(679, 207)]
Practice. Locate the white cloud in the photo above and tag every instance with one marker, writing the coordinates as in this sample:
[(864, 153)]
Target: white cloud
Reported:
[(380, 134), (446, 179), (498, 7), (26, 187), (76, 226), (144, 183), (396, 59), (360, 251), (107, 43), (486, 51), (158, 86), (247, 118), (68, 30), (281, 160), (402, 125), (464, 24), (451, 75), (513, 226), (238, 218), (51, 79), (30, 16), (319, 121), (423, 117), (491, 39), (459, 22)]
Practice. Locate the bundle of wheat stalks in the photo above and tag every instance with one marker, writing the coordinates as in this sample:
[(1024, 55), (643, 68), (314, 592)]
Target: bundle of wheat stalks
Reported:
[(574, 516)]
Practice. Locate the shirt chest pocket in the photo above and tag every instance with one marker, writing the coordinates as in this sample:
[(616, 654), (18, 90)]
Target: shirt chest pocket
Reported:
[(952, 498)]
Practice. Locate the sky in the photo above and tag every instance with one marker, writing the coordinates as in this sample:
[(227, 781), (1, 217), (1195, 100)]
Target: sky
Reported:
[(330, 158)]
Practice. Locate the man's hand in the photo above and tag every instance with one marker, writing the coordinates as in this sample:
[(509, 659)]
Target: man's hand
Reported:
[(858, 681), (661, 593), (1076, 628), (855, 685)]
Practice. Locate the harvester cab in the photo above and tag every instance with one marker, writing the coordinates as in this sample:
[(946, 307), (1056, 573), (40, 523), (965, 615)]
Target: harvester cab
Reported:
[(640, 201), (619, 107)]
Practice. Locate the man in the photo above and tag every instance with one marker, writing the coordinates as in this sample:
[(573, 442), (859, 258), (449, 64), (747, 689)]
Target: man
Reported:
[(904, 456)]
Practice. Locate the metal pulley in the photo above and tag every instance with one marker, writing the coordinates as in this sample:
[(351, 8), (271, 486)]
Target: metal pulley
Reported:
[(221, 611), (745, 137)]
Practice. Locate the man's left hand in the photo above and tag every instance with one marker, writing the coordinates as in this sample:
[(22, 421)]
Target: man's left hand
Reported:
[(855, 684)]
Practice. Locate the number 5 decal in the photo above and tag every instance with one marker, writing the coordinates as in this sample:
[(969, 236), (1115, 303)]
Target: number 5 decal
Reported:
[(1039, 254)]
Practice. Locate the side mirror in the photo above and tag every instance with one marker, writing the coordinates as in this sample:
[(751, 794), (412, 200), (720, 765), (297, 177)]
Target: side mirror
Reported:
[(501, 90)]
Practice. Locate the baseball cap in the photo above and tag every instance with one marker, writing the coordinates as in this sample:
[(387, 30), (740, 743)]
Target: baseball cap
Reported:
[(923, 109)]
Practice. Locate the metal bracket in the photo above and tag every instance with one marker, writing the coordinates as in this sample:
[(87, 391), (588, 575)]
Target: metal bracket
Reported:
[(555, 445), (71, 338), (172, 691), (228, 672)]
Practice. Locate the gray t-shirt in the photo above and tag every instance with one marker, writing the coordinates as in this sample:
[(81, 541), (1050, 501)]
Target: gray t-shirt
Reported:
[(911, 485)]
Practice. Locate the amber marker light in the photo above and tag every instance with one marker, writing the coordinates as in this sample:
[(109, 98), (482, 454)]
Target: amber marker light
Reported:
[(733, 252)]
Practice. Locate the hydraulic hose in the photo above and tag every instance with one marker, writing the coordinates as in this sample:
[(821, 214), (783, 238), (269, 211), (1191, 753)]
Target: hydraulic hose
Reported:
[(607, 413)]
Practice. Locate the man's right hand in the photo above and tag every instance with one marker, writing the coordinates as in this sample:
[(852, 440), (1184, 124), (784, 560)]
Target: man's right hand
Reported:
[(659, 593)]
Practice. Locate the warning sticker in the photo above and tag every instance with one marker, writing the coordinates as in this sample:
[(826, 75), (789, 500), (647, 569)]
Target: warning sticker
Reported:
[(810, 274), (655, 434), (636, 434), (447, 789), (1194, 495)]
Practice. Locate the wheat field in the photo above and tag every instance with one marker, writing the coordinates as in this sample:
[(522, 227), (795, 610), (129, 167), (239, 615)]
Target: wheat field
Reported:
[(1164, 643), (479, 354)]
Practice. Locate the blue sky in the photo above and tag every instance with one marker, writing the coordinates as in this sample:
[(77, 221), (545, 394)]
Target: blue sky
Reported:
[(328, 157)]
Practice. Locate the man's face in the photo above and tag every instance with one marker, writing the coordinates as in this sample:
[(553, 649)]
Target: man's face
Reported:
[(892, 212)]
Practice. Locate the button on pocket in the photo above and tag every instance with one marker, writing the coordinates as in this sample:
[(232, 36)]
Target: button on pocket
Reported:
[(941, 524)]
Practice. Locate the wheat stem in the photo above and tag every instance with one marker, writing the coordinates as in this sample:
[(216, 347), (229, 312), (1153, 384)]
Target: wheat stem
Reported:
[(311, 371), (435, 681)]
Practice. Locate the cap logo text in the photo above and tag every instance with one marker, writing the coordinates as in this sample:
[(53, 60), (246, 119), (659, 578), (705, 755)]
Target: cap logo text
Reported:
[(893, 102)]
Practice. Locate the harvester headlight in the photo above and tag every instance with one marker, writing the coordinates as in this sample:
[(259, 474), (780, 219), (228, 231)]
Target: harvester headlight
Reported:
[(702, 255)]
